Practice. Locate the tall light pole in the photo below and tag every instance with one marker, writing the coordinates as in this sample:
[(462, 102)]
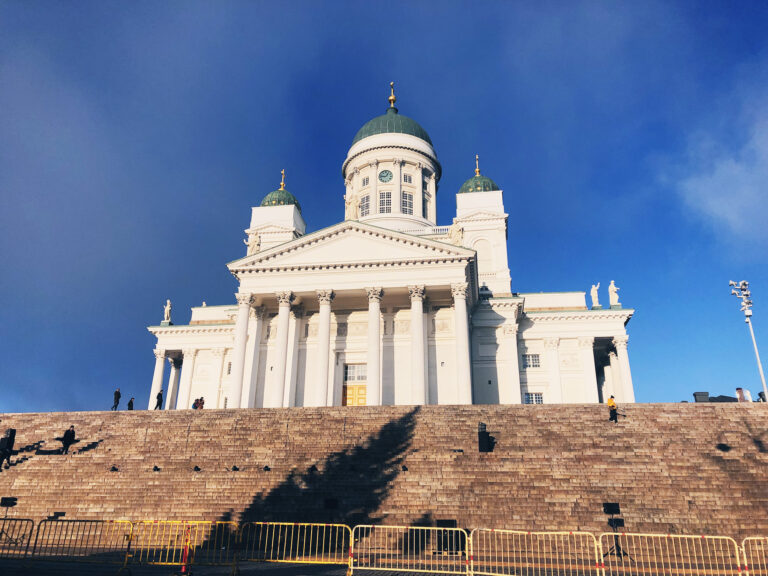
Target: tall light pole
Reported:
[(741, 290)]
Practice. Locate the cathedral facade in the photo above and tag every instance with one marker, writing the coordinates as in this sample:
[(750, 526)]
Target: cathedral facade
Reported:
[(387, 307)]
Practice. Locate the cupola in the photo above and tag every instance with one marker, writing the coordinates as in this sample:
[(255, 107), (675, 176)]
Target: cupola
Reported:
[(281, 196), (478, 182)]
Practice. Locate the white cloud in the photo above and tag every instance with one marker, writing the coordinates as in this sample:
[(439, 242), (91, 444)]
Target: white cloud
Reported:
[(727, 188)]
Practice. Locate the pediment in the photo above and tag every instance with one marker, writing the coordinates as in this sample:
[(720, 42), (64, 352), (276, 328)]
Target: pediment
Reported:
[(352, 243), (482, 215)]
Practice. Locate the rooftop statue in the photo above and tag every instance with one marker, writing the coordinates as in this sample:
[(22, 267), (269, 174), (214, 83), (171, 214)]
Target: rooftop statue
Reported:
[(167, 311), (613, 295), (593, 294)]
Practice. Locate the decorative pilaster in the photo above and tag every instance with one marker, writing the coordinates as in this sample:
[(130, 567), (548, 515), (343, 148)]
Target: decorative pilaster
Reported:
[(273, 396), (587, 350), (157, 377), (241, 336), (419, 387), (432, 189), (320, 396), (418, 197), (375, 188), (185, 383), (620, 342), (461, 323), (374, 345), (552, 354), (511, 394), (173, 383), (397, 204), (218, 354), (255, 329)]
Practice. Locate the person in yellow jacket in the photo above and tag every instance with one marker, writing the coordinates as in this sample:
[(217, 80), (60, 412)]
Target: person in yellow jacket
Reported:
[(614, 410)]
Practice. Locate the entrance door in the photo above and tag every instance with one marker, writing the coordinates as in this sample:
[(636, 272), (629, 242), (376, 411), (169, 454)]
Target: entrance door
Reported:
[(355, 390)]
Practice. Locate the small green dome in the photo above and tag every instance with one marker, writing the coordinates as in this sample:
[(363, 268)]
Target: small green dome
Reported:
[(392, 123), (478, 184), (280, 197)]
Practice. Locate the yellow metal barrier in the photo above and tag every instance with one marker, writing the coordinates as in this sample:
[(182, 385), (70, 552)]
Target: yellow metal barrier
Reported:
[(410, 549), (669, 555), (508, 552), (103, 541), (296, 542), (755, 555), (15, 537), (175, 543)]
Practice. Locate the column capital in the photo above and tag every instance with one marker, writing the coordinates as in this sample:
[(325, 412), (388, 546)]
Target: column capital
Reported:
[(416, 292), (375, 294), (191, 352), (159, 353), (325, 296), (586, 341), (511, 329), (551, 343), (244, 298), (621, 341), (459, 290), (174, 362), (284, 298), (374, 163), (218, 352), (257, 312)]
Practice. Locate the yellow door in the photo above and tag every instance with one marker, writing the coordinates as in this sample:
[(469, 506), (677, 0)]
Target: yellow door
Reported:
[(354, 395)]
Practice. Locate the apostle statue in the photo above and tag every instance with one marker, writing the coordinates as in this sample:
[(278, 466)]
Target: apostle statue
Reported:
[(456, 234), (253, 243), (613, 295), (351, 206), (167, 312), (593, 294)]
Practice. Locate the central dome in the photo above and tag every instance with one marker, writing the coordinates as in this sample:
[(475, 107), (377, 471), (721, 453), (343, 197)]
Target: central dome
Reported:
[(392, 123)]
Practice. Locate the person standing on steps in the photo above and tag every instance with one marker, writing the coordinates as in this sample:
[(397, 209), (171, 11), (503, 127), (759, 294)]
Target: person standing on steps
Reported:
[(130, 404), (6, 446), (67, 440), (159, 404), (117, 399), (614, 410)]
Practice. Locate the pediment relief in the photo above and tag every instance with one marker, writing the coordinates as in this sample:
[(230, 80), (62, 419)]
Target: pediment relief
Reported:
[(482, 215), (351, 243)]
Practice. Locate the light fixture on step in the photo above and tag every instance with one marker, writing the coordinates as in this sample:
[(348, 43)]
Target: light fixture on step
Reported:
[(197, 469), (235, 469), (114, 468), (266, 468), (155, 469), (404, 468), (313, 468)]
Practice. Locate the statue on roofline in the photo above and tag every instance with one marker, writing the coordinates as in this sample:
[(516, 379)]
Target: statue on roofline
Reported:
[(167, 312), (253, 243), (613, 295), (593, 294)]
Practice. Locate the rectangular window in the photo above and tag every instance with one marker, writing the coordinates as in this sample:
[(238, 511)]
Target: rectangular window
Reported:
[(385, 202), (355, 372), (366, 180), (534, 398), (407, 178), (229, 368), (531, 361), (365, 206), (407, 201), (424, 207)]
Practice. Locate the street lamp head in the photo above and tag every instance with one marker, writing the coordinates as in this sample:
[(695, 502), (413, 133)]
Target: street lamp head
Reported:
[(735, 292), (732, 283)]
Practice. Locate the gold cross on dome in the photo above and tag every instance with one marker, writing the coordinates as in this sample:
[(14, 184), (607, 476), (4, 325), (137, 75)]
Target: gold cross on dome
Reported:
[(477, 165), (282, 182)]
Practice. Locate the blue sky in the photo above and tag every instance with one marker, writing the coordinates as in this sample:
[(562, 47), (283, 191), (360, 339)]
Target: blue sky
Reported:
[(631, 141)]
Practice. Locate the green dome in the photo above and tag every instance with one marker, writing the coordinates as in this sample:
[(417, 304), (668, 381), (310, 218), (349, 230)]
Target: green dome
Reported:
[(392, 123), (478, 184), (280, 197)]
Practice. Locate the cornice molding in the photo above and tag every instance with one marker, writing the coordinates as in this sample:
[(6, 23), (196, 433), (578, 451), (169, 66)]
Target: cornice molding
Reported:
[(191, 330), (540, 317)]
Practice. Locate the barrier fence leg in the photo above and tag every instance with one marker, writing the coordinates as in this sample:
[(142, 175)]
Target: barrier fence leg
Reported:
[(238, 544), (186, 557), (124, 569)]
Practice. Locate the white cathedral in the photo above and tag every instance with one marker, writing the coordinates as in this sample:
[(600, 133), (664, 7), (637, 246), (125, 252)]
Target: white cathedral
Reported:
[(387, 307)]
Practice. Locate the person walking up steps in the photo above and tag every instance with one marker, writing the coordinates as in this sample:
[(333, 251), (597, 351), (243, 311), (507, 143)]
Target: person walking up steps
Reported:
[(614, 410), (159, 404), (117, 399)]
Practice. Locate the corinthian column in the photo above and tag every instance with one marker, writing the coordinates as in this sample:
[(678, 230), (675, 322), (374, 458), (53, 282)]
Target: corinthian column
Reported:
[(238, 356), (374, 346), (461, 323), (273, 395), (185, 385), (586, 347), (419, 387), (552, 358), (248, 398), (173, 383), (620, 342), (157, 377), (320, 397)]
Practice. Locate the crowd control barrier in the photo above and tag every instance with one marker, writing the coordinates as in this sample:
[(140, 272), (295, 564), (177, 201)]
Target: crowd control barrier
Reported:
[(295, 542), (179, 543), (410, 549), (512, 552), (15, 537), (669, 555), (103, 541), (755, 556)]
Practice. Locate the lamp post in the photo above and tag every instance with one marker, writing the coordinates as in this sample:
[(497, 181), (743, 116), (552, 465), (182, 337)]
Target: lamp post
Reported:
[(741, 290)]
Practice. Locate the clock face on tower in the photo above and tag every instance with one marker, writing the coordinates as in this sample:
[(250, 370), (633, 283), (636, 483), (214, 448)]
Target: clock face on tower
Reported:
[(385, 176)]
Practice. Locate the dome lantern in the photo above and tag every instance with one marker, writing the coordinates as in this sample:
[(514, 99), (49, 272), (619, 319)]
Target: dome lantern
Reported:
[(281, 196), (478, 183)]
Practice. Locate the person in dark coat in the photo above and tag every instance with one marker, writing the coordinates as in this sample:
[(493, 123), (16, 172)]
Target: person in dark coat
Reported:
[(159, 404), (117, 399), (130, 404), (6, 446), (67, 440)]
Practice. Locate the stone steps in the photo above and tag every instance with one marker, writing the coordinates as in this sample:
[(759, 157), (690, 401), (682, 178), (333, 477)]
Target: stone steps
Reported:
[(682, 468)]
